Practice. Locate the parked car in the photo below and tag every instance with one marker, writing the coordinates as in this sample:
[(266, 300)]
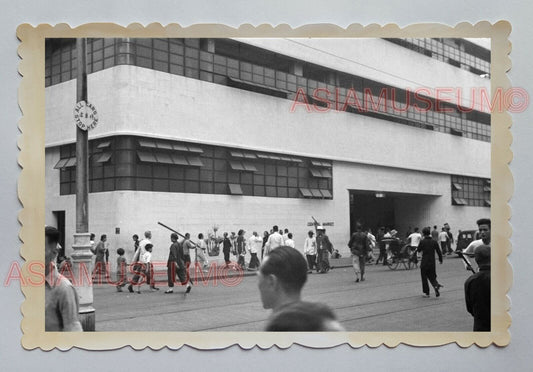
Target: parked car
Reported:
[(464, 238)]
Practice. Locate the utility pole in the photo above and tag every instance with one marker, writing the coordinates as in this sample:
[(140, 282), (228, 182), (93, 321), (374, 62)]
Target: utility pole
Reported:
[(82, 256)]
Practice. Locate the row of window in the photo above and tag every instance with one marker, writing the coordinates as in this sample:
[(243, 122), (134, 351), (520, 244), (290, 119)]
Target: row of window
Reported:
[(138, 163), (230, 65), (470, 191), (456, 52)]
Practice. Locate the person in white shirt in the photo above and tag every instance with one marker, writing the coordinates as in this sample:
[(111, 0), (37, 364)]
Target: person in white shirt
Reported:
[(146, 260), (274, 240), (137, 258), (414, 241), (254, 245), (484, 233), (285, 234), (371, 245), (289, 242), (443, 241), (310, 251), (200, 251)]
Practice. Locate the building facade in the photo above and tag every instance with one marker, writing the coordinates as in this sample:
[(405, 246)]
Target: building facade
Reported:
[(250, 133)]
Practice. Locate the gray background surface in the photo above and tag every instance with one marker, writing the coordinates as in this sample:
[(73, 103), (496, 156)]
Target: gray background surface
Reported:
[(516, 357)]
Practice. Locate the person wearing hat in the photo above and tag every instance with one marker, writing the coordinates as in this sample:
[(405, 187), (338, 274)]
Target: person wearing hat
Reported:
[(310, 251), (324, 248)]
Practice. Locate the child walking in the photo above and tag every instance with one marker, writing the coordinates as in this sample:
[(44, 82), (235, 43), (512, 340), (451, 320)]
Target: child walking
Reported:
[(121, 270)]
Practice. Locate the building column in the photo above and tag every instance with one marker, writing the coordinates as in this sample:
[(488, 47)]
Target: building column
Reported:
[(81, 268)]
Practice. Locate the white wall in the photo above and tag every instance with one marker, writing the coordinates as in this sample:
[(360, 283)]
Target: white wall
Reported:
[(428, 203), (142, 101)]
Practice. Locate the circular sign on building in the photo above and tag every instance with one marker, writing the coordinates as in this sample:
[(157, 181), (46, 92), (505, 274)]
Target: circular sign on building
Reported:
[(85, 115)]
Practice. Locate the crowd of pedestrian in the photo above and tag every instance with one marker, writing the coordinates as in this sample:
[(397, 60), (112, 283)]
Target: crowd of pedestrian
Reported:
[(283, 269)]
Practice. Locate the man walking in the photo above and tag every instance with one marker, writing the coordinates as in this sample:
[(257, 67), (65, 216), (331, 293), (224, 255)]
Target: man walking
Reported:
[(428, 247), (274, 241), (443, 241), (310, 251), (136, 261), (254, 244), (414, 240), (324, 248), (382, 246), (358, 245), (435, 233), (484, 237), (172, 262)]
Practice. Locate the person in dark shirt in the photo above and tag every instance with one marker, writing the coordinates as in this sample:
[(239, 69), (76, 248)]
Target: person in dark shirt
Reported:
[(477, 291), (428, 247), (226, 248), (282, 276), (172, 262)]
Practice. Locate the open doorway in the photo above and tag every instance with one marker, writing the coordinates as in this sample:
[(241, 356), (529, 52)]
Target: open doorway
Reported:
[(371, 211)]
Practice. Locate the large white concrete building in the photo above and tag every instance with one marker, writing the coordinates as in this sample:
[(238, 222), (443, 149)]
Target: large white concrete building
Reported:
[(250, 133)]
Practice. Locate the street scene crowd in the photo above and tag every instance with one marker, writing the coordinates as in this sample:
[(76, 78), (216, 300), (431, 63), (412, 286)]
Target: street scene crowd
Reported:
[(282, 266)]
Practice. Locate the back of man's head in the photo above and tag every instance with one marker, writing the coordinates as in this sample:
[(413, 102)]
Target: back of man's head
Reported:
[(425, 231), (275, 227), (289, 266), (482, 255), (148, 234), (51, 234)]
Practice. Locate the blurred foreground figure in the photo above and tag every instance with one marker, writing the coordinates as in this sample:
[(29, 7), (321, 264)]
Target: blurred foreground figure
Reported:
[(62, 304), (282, 276), (477, 290)]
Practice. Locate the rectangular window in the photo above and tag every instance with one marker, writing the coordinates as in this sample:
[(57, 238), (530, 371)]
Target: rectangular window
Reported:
[(147, 164)]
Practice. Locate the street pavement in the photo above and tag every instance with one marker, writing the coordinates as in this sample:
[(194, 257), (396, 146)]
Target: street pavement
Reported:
[(389, 300)]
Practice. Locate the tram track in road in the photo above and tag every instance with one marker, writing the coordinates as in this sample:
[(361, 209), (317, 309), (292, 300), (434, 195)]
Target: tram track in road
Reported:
[(393, 290)]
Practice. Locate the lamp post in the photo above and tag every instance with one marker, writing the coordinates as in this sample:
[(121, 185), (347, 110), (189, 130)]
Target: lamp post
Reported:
[(85, 118)]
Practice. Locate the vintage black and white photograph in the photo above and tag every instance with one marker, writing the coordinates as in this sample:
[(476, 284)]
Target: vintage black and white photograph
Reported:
[(284, 184)]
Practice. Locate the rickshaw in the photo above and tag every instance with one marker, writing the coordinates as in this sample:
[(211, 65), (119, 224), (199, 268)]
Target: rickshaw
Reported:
[(399, 253)]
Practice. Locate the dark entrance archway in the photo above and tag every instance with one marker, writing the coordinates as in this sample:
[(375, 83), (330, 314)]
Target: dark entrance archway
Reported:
[(371, 211)]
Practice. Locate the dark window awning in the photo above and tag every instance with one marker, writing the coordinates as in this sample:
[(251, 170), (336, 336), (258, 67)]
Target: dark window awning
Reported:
[(256, 87), (66, 163), (102, 157), (459, 201), (326, 193), (316, 193), (243, 155), (195, 161), (317, 163), (235, 189), (242, 166), (179, 159), (306, 193), (103, 145), (290, 159), (162, 157), (320, 172), (166, 145), (456, 186)]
